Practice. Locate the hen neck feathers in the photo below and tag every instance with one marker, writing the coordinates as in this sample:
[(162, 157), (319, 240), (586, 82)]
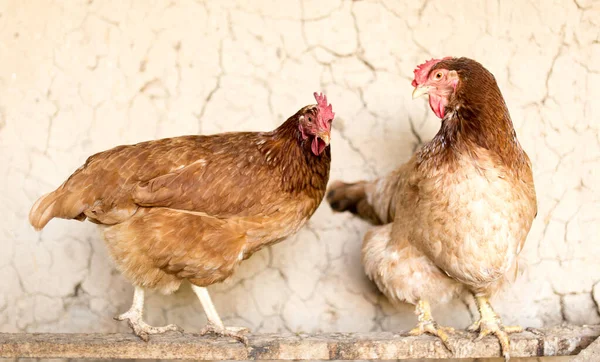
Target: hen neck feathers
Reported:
[(472, 123), (285, 149)]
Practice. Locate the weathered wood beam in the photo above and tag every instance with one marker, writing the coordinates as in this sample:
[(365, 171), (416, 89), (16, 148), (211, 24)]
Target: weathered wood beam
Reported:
[(557, 341)]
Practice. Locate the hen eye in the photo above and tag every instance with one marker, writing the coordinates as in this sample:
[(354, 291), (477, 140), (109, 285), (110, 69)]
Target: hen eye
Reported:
[(439, 75)]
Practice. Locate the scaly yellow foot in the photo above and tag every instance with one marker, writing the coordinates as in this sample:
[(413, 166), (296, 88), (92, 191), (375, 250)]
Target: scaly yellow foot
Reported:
[(490, 323), (427, 325), (432, 328)]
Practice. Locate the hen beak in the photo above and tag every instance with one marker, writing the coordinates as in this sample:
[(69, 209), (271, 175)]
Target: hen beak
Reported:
[(421, 91), (325, 137)]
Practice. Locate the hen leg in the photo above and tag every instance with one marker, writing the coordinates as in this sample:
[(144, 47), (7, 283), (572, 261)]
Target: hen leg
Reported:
[(490, 323), (134, 317), (215, 325), (426, 324)]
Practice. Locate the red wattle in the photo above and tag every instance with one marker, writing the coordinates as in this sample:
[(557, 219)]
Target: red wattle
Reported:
[(436, 104), (317, 146)]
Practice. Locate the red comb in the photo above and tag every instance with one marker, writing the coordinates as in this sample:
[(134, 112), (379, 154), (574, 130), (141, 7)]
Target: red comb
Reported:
[(422, 71), (325, 110)]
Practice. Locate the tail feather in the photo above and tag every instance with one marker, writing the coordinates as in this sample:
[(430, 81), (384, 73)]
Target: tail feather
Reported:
[(353, 198), (50, 206), (42, 211)]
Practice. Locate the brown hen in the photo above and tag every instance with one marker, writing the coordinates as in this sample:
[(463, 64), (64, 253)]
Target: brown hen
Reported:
[(457, 214), (193, 207)]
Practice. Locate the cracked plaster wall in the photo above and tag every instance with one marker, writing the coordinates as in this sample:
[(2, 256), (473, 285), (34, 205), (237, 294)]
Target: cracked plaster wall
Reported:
[(79, 77)]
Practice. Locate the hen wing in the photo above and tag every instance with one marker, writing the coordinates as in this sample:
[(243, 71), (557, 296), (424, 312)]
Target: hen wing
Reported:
[(195, 173)]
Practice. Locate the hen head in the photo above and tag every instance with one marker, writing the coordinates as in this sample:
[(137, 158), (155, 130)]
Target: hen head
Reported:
[(438, 83), (314, 123), (453, 82)]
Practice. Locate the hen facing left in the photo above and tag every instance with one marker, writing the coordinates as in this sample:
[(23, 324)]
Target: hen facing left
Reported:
[(194, 207)]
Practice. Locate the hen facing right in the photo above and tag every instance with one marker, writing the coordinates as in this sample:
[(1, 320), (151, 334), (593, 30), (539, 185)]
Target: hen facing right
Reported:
[(195, 207), (457, 214)]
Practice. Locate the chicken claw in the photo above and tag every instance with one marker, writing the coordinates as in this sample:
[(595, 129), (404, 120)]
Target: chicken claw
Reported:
[(141, 328), (427, 325), (215, 324), (238, 333), (431, 327), (476, 327), (488, 327), (134, 317), (490, 323)]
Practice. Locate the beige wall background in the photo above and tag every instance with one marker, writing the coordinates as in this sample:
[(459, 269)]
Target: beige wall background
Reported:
[(78, 77)]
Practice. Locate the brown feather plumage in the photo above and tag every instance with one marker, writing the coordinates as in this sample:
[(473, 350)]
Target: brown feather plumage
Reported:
[(457, 214), (459, 210), (194, 207)]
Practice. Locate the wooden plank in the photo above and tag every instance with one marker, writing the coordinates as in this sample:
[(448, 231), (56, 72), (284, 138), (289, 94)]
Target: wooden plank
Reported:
[(557, 341)]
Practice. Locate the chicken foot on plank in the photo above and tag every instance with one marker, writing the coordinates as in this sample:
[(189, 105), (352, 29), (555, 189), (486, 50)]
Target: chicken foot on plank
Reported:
[(426, 324), (490, 323), (215, 325), (134, 317)]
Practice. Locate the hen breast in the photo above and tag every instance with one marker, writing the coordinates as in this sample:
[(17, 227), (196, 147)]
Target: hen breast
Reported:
[(402, 272), (470, 218)]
